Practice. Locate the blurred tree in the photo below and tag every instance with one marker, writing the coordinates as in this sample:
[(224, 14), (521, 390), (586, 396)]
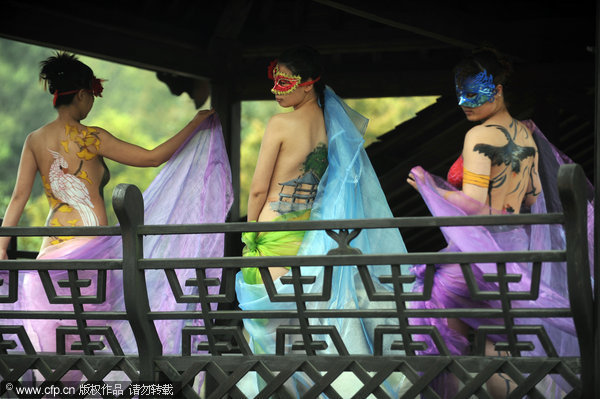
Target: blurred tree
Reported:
[(135, 107), (138, 108)]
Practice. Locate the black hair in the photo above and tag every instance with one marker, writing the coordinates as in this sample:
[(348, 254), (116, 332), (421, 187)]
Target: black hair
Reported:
[(485, 58), (64, 72), (306, 62)]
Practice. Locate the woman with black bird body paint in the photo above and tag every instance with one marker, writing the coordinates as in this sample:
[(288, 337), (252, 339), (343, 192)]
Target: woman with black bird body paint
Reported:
[(498, 172), (498, 165)]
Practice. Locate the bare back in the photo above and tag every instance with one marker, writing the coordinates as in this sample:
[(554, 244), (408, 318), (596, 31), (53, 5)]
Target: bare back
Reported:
[(511, 156), (73, 176), (301, 139)]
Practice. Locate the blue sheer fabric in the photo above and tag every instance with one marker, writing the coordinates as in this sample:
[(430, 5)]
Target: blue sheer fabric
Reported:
[(349, 189)]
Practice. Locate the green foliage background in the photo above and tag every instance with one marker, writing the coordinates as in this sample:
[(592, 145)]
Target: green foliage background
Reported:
[(138, 108), (135, 106)]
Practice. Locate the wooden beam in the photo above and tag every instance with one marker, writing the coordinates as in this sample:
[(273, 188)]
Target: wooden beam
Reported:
[(534, 38), (41, 26), (398, 25), (338, 43), (232, 19), (225, 48)]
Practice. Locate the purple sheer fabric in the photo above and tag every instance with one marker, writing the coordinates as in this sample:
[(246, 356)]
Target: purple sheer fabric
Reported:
[(193, 187), (449, 287)]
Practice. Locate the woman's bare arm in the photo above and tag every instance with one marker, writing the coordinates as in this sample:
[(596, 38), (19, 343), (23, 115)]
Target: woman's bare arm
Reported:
[(21, 193), (265, 166), (130, 154), (476, 162), (472, 161)]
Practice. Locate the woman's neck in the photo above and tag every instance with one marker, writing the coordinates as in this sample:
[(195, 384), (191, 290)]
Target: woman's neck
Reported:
[(307, 100), (501, 117), (68, 114)]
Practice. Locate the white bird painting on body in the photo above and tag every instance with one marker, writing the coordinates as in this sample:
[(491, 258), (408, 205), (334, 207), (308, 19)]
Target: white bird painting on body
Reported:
[(71, 190)]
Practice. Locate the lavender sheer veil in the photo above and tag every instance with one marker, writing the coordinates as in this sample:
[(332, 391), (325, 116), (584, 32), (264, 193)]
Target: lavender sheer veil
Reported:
[(193, 187), (553, 286)]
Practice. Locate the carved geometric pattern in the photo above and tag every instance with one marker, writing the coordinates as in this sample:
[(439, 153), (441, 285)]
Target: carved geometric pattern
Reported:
[(85, 343), (220, 340), (297, 280), (384, 312), (483, 332), (342, 238), (51, 369), (23, 341), (200, 283), (75, 284), (397, 280), (319, 374), (9, 287), (307, 340), (381, 284), (406, 343), (307, 344), (502, 279)]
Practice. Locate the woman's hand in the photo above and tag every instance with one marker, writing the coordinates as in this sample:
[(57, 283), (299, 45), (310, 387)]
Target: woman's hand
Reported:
[(417, 173), (202, 115), (411, 180)]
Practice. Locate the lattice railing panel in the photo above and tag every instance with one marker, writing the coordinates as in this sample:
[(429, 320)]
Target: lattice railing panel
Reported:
[(331, 375), (311, 356)]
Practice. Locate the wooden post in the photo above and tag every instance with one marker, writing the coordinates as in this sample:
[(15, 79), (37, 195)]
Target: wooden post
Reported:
[(572, 191), (596, 365), (129, 207), (228, 106)]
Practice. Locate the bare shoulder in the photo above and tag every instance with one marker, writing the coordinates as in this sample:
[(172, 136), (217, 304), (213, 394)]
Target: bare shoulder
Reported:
[(100, 133), (36, 136), (38, 132), (97, 130), (480, 134), (281, 124), (31, 138)]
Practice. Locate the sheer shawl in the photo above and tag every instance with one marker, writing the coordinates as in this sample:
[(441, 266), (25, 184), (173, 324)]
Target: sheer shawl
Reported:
[(449, 286), (193, 187), (349, 189)]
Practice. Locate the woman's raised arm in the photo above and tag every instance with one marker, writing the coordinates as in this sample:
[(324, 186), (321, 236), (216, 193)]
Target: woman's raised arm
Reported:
[(130, 154)]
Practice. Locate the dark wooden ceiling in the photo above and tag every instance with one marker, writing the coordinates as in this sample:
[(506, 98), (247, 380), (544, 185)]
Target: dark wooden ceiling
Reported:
[(371, 48)]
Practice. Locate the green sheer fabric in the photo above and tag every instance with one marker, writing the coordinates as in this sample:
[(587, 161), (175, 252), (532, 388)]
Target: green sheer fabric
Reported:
[(272, 243)]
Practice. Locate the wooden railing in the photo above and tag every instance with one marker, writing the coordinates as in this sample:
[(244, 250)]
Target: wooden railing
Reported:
[(217, 350)]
